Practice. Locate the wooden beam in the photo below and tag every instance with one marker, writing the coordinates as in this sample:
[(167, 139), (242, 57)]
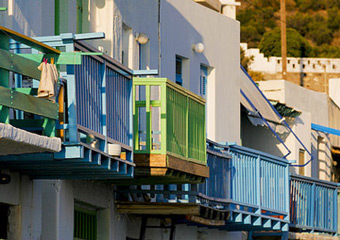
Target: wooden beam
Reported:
[(158, 208), (205, 221), (149, 160), (27, 103), (28, 41), (187, 167), (18, 64)]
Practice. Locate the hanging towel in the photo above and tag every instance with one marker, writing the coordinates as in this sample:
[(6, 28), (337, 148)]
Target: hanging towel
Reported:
[(48, 81)]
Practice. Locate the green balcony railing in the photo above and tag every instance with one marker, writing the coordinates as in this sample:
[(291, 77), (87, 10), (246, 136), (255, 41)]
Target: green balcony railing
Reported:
[(168, 119), (14, 65)]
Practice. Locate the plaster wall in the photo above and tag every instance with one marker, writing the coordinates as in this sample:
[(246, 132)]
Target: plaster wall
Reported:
[(30, 19), (334, 116), (298, 97), (172, 26), (274, 64), (24, 199), (334, 88), (182, 26), (316, 105)]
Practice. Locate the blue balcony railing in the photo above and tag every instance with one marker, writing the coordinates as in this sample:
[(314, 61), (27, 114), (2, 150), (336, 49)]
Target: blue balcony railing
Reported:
[(93, 109), (247, 189), (313, 205), (104, 98)]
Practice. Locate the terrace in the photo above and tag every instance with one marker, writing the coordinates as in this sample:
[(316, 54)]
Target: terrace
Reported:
[(247, 190), (92, 112)]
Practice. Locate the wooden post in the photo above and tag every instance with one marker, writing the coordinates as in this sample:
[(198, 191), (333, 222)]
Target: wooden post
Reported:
[(283, 40)]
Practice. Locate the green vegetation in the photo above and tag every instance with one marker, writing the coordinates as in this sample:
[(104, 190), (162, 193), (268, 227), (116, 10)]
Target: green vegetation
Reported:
[(313, 27)]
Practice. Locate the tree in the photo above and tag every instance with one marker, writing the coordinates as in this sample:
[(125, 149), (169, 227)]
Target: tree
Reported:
[(327, 51), (299, 22), (245, 61), (297, 45), (318, 31), (333, 21)]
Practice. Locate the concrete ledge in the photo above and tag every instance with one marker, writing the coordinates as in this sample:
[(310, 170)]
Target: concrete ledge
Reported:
[(17, 141)]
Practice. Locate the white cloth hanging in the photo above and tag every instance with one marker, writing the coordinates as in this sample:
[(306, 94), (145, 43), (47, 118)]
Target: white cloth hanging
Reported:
[(48, 81)]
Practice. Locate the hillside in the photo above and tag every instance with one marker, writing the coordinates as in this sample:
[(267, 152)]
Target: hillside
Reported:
[(313, 27)]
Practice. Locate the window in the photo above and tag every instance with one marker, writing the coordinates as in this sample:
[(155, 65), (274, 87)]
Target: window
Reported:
[(179, 77), (203, 81), (85, 224), (301, 161)]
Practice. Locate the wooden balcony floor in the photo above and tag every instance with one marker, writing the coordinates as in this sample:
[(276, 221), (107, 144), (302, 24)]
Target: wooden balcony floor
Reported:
[(202, 215), (160, 168)]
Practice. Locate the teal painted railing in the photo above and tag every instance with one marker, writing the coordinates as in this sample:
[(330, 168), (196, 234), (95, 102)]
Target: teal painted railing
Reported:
[(251, 186), (99, 95), (16, 100), (95, 107), (251, 179), (313, 204), (168, 120)]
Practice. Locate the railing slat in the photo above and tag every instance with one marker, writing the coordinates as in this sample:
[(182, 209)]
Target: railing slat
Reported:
[(313, 204)]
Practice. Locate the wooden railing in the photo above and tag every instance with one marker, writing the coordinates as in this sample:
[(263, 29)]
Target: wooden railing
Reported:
[(15, 100)]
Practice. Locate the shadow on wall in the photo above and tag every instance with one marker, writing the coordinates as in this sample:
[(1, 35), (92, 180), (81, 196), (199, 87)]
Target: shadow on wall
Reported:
[(176, 33), (322, 166), (260, 138)]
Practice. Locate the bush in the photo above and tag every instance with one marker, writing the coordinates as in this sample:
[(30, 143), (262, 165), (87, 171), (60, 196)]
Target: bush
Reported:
[(318, 31), (297, 45)]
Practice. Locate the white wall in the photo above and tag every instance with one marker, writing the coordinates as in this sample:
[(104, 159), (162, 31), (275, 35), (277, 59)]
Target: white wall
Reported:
[(274, 65), (30, 19), (334, 88), (314, 108), (181, 26)]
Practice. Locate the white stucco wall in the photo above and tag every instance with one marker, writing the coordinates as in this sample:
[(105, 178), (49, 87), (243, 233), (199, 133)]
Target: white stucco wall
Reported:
[(181, 26), (172, 31), (274, 65), (314, 108), (30, 19)]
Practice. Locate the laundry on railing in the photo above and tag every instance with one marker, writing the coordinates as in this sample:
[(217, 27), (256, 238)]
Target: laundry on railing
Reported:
[(48, 81)]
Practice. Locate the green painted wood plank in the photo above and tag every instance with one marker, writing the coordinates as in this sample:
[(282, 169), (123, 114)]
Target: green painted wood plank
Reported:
[(4, 77), (27, 103), (28, 41), (49, 126), (15, 63), (25, 123), (3, 9), (64, 58), (29, 91)]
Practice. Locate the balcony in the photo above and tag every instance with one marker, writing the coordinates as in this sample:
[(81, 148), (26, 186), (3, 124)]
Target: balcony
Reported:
[(313, 205), (247, 190), (15, 101), (93, 112), (169, 132)]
